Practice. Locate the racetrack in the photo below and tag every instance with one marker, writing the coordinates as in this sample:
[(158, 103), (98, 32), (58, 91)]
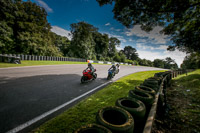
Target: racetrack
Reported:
[(28, 92)]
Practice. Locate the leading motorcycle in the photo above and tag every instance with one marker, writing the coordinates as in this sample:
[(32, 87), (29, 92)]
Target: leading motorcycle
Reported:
[(87, 76)]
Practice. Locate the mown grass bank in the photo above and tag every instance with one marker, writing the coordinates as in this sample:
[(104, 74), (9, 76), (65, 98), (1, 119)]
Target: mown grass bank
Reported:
[(183, 99), (85, 112), (35, 63)]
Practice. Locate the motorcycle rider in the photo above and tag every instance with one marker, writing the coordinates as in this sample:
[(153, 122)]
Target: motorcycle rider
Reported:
[(91, 68), (117, 68), (112, 69)]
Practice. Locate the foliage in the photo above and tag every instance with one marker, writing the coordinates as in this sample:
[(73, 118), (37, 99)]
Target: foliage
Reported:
[(183, 100), (24, 29), (144, 62), (130, 53), (85, 111), (191, 61), (178, 17), (168, 63)]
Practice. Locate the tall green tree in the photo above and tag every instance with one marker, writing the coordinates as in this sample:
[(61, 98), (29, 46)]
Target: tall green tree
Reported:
[(101, 45), (7, 9), (158, 63), (113, 43), (62, 43), (82, 43), (24, 29), (130, 52), (191, 61), (170, 63), (180, 19)]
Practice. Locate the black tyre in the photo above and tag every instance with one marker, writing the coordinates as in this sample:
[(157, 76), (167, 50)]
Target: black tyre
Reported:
[(116, 119), (146, 98), (146, 90), (82, 79), (109, 76), (92, 128), (16, 62), (154, 87), (135, 107), (95, 76)]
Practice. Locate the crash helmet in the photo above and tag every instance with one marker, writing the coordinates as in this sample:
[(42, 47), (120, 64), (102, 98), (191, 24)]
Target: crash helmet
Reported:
[(89, 64), (113, 65)]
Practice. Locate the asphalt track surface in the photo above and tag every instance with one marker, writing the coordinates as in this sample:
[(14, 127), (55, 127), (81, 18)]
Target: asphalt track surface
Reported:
[(28, 92)]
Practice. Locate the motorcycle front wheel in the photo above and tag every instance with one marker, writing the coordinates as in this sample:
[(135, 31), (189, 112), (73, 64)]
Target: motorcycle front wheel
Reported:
[(95, 76), (82, 79), (109, 77)]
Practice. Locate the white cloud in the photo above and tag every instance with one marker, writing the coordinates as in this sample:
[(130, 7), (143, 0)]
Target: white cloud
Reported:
[(121, 38), (131, 40), (141, 41), (176, 55), (61, 31), (119, 48), (154, 36), (118, 29), (107, 24), (44, 5), (143, 46)]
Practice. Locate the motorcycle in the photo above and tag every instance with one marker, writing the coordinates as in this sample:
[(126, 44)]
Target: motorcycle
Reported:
[(111, 75), (87, 76)]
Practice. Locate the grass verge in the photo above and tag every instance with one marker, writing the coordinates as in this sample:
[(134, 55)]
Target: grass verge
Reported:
[(35, 63), (183, 99), (85, 111)]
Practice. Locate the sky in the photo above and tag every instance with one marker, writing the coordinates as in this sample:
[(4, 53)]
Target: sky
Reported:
[(62, 13)]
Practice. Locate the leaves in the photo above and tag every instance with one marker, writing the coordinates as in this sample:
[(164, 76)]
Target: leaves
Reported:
[(178, 17)]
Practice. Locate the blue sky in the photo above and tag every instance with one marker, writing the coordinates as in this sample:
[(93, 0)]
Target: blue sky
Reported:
[(62, 13)]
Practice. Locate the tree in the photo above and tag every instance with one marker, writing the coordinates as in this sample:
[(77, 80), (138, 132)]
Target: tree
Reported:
[(130, 53), (158, 63), (191, 61), (178, 17), (169, 63), (101, 45), (24, 29), (82, 43), (113, 42), (62, 42)]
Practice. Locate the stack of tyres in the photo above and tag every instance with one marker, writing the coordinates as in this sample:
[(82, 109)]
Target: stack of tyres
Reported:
[(154, 84), (145, 89), (146, 98), (136, 108), (93, 128), (115, 119)]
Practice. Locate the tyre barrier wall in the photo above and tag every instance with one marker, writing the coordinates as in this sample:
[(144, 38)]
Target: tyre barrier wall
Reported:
[(38, 58), (136, 113), (10, 58)]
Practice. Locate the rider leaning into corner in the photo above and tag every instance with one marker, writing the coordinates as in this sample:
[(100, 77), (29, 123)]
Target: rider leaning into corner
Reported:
[(113, 69), (90, 67), (117, 68)]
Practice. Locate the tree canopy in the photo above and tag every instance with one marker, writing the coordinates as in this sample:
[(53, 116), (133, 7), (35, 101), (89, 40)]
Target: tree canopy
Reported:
[(24, 29), (180, 19)]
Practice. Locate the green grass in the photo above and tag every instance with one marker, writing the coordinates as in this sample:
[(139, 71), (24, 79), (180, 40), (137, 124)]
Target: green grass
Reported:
[(85, 111), (35, 63), (188, 88)]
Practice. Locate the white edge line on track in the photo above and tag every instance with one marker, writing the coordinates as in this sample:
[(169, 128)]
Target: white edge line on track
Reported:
[(34, 120)]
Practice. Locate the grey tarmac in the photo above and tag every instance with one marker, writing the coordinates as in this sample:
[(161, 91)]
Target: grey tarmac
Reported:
[(28, 92)]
